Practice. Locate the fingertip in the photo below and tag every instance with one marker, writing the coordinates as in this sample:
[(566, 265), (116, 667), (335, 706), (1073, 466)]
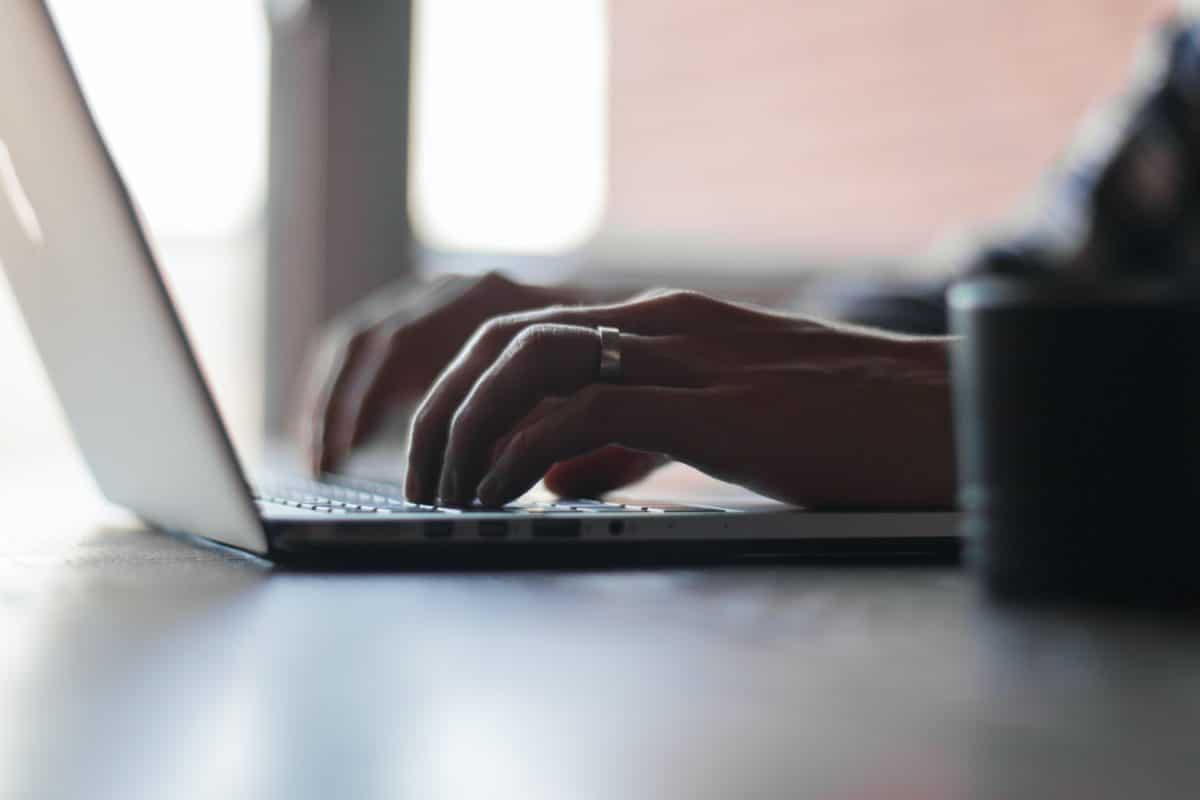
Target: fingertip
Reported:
[(559, 483), (417, 484), (414, 489), (312, 448), (331, 456), (335, 451), (448, 490), (311, 455), (489, 491)]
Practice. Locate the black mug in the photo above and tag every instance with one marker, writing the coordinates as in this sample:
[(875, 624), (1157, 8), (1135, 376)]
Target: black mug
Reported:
[(1077, 420)]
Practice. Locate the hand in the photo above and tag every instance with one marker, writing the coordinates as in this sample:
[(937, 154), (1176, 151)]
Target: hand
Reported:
[(799, 410), (384, 354), (382, 357)]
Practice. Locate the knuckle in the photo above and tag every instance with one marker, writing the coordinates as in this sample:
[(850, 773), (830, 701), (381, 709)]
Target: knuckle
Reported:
[(460, 425), (676, 300), (392, 335), (359, 337), (360, 343), (422, 420), (340, 340), (508, 330), (493, 279), (687, 299), (651, 294), (496, 332), (534, 338), (487, 285)]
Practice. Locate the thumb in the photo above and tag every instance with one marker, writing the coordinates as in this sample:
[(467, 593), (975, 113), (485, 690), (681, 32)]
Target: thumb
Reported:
[(600, 471)]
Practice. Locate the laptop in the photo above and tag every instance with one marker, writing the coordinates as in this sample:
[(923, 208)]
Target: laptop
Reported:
[(86, 280)]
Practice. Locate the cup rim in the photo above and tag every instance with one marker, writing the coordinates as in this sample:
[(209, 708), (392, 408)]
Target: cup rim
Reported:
[(1065, 290)]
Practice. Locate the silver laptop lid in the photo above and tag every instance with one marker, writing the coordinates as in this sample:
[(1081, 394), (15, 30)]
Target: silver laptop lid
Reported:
[(88, 287)]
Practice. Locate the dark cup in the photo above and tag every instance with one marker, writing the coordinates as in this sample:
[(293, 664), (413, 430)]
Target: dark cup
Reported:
[(1077, 417)]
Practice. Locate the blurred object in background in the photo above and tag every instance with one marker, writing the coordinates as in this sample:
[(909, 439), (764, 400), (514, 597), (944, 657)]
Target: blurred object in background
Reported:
[(510, 128)]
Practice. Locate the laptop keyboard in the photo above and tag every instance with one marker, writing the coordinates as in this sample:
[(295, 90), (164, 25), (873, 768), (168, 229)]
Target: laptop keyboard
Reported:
[(337, 495)]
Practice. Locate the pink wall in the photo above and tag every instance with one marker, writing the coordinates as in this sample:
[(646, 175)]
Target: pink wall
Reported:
[(855, 126)]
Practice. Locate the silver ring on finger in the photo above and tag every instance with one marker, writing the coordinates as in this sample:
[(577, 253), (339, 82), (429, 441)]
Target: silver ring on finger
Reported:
[(610, 354)]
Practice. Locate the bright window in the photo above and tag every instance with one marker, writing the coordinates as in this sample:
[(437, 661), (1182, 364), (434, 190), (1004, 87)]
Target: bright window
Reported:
[(509, 138)]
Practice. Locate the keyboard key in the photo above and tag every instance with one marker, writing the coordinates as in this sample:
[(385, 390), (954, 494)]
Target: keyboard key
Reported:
[(365, 497), (673, 508)]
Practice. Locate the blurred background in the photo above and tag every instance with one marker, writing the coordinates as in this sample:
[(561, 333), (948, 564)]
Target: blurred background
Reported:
[(290, 156)]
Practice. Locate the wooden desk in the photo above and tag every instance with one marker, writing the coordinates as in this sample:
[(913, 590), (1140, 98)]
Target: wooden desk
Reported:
[(136, 665)]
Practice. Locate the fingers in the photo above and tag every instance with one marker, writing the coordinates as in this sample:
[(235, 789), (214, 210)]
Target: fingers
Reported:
[(363, 376), (543, 361), (657, 313), (357, 403), (430, 426), (597, 473), (326, 435), (358, 370), (650, 419), (654, 314)]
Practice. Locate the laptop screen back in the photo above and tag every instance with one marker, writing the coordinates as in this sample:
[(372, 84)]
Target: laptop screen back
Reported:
[(86, 282)]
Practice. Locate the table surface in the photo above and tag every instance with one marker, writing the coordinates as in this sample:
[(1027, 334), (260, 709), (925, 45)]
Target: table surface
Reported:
[(138, 665)]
